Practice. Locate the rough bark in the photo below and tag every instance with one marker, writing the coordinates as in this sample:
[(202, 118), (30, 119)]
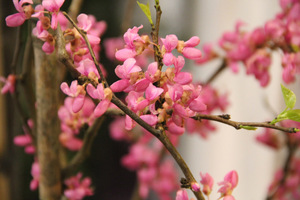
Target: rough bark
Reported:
[(47, 123)]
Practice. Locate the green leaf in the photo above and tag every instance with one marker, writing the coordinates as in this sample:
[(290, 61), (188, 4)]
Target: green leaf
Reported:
[(146, 9), (293, 115), (289, 97), (248, 127), (280, 117)]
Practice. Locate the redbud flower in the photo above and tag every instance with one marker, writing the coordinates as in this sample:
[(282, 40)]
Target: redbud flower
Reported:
[(9, 85), (53, 6), (195, 186), (35, 173), (77, 92), (25, 12), (68, 140), (78, 188), (207, 181), (182, 195), (101, 93), (229, 183), (269, 138)]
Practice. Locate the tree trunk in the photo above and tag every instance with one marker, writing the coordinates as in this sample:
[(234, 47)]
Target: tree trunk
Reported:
[(47, 123)]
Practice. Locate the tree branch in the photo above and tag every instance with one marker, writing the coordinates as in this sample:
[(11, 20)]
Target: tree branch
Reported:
[(154, 34), (225, 119), (217, 72)]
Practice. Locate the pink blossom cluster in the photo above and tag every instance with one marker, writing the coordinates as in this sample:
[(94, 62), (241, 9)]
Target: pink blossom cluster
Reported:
[(154, 172), (72, 122), (226, 186), (151, 93), (272, 139), (78, 188), (288, 189), (26, 139), (253, 49), (9, 84)]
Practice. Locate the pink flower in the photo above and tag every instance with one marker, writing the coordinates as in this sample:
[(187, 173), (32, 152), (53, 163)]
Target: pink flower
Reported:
[(195, 186), (182, 195), (9, 85), (135, 44), (35, 173), (53, 6), (25, 12), (207, 181), (269, 138), (68, 140), (229, 183), (187, 48), (128, 67), (153, 92), (78, 188), (77, 92), (101, 93)]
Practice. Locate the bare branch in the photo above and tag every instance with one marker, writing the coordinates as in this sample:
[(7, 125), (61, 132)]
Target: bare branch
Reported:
[(239, 125)]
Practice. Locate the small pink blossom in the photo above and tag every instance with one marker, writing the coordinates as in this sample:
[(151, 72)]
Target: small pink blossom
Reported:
[(269, 138), (101, 93), (229, 183), (195, 186), (9, 84), (35, 173), (77, 92), (78, 188), (25, 12), (128, 67), (54, 7), (207, 181), (182, 195), (69, 141)]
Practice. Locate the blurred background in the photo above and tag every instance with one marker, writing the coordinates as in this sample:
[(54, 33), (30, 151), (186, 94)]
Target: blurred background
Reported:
[(224, 150)]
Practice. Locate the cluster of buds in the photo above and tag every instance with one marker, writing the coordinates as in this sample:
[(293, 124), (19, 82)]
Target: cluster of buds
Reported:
[(227, 185), (253, 49)]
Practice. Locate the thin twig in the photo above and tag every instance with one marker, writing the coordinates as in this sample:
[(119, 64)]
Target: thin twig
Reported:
[(62, 54), (154, 33), (239, 125), (217, 72)]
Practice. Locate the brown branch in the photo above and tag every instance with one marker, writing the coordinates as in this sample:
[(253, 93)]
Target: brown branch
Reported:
[(85, 150), (62, 54), (154, 34), (217, 72), (225, 119), (158, 133)]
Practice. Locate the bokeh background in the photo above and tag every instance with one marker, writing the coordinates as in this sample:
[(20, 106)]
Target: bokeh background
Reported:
[(224, 150)]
